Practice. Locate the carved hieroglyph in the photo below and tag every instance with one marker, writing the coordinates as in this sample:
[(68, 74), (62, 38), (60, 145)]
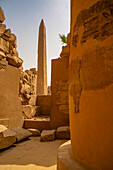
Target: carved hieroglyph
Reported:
[(88, 68)]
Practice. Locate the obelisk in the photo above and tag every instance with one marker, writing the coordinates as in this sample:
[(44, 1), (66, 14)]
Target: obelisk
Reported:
[(42, 63)]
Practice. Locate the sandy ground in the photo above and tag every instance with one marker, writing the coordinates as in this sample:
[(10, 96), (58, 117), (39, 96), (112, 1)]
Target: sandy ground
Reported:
[(31, 155)]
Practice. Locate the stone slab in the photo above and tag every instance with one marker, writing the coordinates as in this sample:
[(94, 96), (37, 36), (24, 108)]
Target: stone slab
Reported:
[(63, 132), (35, 132), (7, 138), (14, 60), (47, 135), (39, 124), (21, 134)]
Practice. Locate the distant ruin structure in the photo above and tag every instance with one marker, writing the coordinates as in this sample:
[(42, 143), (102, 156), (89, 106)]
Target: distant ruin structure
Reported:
[(42, 63)]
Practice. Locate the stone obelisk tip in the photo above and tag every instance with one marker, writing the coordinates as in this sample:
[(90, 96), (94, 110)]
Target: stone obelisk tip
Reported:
[(42, 22)]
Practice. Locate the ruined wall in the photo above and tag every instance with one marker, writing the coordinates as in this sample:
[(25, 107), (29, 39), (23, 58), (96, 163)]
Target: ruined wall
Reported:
[(91, 82), (10, 66), (44, 104), (59, 90), (27, 92)]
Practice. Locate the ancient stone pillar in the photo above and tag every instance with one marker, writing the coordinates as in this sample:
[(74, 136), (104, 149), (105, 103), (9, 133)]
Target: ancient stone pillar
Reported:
[(42, 64)]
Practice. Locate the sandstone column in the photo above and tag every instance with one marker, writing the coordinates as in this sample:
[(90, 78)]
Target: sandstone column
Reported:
[(42, 64)]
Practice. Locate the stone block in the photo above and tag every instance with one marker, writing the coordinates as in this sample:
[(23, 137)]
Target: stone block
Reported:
[(7, 33), (13, 40), (5, 37), (48, 135), (4, 45), (14, 51), (21, 134), (63, 132), (2, 28), (35, 132), (7, 138), (14, 60), (2, 55), (2, 16)]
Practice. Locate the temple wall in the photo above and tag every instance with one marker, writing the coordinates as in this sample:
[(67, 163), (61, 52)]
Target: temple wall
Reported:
[(10, 104), (10, 67), (91, 83), (59, 92)]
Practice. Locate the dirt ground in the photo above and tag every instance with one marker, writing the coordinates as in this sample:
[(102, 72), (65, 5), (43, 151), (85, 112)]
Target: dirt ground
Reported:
[(31, 155)]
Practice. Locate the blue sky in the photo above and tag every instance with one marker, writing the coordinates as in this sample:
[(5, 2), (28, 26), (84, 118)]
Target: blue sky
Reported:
[(23, 18)]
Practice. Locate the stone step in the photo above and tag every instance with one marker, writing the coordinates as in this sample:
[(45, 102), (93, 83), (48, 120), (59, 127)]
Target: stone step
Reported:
[(40, 123)]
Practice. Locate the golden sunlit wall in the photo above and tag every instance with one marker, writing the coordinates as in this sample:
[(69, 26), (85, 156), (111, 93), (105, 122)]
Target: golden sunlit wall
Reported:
[(91, 82)]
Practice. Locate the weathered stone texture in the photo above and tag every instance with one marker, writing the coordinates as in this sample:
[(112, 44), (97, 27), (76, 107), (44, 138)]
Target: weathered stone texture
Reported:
[(9, 91), (27, 92), (21, 134), (96, 21), (10, 111), (14, 60), (91, 83), (8, 45)]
